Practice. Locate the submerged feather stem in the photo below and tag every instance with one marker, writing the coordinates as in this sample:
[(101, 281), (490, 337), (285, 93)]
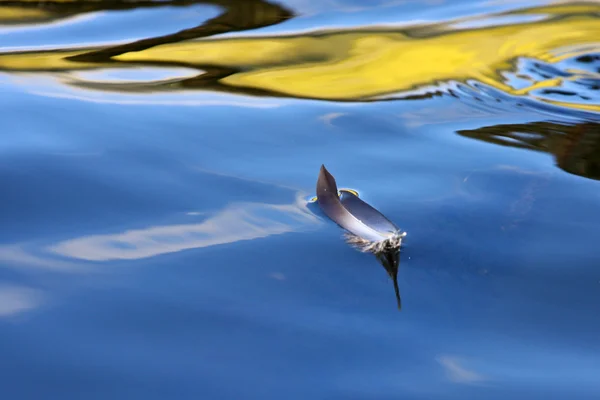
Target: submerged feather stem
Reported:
[(397, 290)]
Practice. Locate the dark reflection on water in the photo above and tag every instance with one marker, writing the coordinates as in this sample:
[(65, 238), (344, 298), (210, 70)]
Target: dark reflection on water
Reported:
[(158, 240), (238, 15), (576, 147)]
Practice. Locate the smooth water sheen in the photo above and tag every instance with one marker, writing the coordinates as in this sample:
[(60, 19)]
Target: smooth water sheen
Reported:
[(157, 162)]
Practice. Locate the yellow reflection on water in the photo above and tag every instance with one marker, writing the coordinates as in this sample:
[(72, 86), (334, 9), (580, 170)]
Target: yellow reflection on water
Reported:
[(350, 65), (14, 14)]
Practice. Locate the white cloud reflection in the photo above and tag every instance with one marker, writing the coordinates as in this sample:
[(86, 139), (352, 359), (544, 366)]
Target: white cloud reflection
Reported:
[(15, 254), (17, 299), (243, 221), (132, 75), (163, 99), (456, 372), (329, 118)]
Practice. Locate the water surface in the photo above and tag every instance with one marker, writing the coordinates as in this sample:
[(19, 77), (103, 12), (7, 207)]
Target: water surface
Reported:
[(157, 159)]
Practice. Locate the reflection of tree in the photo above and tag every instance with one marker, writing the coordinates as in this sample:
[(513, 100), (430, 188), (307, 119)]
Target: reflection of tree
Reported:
[(237, 15), (576, 147), (364, 64), (28, 11), (241, 14)]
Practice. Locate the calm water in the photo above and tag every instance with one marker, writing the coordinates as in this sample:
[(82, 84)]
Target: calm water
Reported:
[(157, 159)]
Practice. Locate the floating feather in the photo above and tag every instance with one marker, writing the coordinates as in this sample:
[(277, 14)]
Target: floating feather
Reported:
[(366, 228)]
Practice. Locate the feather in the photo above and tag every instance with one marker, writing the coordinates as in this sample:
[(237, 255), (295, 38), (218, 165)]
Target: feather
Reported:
[(367, 230)]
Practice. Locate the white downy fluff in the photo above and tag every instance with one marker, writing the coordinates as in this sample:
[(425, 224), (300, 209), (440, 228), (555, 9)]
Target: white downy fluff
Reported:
[(366, 246)]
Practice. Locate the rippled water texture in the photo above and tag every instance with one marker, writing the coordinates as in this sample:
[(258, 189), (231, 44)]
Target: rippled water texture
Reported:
[(158, 162)]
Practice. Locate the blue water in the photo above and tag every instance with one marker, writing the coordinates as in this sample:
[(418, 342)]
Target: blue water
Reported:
[(159, 245)]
